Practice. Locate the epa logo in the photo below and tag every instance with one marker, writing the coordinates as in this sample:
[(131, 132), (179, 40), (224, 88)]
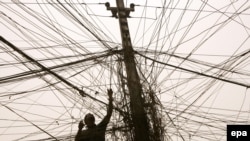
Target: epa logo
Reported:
[(238, 132)]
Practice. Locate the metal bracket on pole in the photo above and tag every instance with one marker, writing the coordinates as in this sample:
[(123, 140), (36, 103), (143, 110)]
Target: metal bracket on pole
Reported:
[(114, 10)]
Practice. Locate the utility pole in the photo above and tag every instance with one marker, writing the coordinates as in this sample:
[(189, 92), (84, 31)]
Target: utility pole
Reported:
[(138, 114)]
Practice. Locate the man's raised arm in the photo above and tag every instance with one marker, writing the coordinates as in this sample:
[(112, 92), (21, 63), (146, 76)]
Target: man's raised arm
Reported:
[(106, 119)]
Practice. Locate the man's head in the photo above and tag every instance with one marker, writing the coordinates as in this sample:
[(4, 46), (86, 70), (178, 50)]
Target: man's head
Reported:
[(89, 120)]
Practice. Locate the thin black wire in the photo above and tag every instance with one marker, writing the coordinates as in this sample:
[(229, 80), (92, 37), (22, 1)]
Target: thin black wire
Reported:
[(225, 69)]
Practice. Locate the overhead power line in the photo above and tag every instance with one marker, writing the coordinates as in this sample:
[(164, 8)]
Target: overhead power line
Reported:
[(198, 73), (30, 121), (40, 65)]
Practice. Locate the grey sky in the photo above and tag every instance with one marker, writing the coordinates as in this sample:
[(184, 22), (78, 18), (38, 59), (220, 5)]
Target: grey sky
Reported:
[(193, 54)]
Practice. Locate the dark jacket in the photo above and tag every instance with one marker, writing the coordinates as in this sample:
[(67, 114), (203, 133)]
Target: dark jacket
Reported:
[(96, 133)]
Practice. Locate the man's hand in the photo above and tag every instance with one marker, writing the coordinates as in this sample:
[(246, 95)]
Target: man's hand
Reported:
[(81, 124), (110, 93)]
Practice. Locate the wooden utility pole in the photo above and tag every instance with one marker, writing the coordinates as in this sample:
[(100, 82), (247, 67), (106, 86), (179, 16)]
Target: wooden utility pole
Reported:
[(138, 114)]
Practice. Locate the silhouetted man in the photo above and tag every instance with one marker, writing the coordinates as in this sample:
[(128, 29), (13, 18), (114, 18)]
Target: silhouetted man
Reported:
[(95, 132)]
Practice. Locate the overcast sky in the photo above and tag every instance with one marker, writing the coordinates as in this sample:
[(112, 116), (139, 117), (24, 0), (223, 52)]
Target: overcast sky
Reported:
[(194, 54)]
